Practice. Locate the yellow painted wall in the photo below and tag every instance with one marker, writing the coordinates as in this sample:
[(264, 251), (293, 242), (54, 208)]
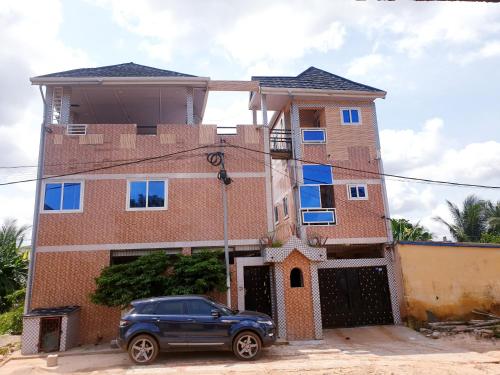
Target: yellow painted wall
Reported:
[(449, 281)]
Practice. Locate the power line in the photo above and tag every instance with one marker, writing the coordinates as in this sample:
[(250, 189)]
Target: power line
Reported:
[(108, 166), (415, 179), (336, 198)]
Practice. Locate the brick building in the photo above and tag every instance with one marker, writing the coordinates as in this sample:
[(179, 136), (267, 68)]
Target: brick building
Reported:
[(123, 160)]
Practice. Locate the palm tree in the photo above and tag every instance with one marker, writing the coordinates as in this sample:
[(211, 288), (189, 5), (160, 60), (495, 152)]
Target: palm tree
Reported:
[(469, 223), (492, 213), (403, 230), (13, 262)]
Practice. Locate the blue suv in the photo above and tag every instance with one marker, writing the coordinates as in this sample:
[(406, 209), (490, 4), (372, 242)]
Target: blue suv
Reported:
[(192, 322)]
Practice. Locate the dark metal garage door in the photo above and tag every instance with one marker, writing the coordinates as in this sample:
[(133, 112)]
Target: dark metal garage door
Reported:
[(354, 296), (257, 289)]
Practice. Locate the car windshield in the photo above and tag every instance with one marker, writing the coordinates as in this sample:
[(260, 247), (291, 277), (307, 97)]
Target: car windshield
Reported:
[(225, 309)]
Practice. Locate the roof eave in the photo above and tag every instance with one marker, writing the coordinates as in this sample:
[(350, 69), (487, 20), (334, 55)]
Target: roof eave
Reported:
[(323, 92), (185, 81)]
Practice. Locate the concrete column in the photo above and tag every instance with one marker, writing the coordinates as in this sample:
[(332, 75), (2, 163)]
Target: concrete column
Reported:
[(393, 287), (318, 323), (189, 106), (267, 161), (186, 251), (297, 154), (280, 300), (254, 117)]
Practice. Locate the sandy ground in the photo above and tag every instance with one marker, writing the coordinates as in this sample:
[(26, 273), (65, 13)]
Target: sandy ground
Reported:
[(365, 350)]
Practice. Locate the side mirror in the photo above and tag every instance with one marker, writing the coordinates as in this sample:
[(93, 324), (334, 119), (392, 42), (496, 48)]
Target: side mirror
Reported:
[(215, 313)]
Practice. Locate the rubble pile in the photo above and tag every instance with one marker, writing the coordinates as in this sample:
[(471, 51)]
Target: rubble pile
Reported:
[(487, 327)]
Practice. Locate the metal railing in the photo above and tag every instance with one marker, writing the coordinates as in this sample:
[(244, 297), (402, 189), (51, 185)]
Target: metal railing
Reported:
[(281, 141)]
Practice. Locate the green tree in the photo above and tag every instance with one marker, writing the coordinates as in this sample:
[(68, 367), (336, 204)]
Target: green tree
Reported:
[(403, 230), (13, 261), (469, 222), (492, 213), (158, 274)]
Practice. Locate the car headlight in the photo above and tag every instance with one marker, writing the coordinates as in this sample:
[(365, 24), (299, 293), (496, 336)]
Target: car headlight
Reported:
[(266, 322)]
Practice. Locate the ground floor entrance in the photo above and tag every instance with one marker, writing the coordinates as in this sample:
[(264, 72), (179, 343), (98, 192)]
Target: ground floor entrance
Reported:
[(355, 296), (257, 289)]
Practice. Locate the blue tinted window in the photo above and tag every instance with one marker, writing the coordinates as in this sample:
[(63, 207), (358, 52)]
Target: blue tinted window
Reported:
[(138, 194), (345, 116), (319, 217), (354, 116), (310, 197), (71, 196), (52, 199), (317, 174), (361, 191), (313, 135), (156, 194), (354, 192)]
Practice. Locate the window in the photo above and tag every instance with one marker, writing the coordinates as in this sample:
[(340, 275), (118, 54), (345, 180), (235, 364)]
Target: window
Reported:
[(350, 116), (285, 206), (313, 136), (357, 192), (148, 309), (197, 307), (276, 215), (147, 195), (317, 174), (63, 196), (317, 200), (296, 278), (318, 217), (170, 308)]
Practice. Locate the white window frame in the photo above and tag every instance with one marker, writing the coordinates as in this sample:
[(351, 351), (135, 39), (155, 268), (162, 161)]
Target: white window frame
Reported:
[(147, 180), (349, 186), (285, 205), (276, 215), (313, 142), (320, 224), (350, 123), (62, 182)]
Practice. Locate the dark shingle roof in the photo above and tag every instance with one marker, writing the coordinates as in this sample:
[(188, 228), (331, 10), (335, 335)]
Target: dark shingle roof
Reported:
[(120, 70), (314, 78)]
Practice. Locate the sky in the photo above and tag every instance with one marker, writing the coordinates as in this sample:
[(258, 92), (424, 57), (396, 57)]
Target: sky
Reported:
[(438, 62)]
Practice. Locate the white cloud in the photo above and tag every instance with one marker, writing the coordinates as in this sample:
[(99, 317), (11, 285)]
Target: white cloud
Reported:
[(31, 45), (407, 148), (362, 65), (488, 50), (427, 154)]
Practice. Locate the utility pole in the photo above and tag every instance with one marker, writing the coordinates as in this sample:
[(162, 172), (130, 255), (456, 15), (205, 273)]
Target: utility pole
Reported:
[(216, 159)]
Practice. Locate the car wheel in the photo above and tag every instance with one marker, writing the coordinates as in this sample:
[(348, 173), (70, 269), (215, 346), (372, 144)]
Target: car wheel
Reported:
[(143, 349), (247, 346)]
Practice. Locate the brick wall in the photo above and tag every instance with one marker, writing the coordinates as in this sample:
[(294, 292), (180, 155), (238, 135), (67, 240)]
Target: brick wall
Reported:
[(67, 278), (298, 301), (194, 213)]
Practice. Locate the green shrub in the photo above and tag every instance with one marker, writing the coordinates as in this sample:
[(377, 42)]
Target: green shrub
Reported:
[(12, 321), (158, 274)]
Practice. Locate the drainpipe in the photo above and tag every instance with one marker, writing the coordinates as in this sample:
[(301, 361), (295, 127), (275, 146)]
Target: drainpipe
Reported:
[(34, 232)]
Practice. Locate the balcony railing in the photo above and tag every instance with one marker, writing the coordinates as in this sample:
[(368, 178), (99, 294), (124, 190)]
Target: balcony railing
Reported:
[(281, 144)]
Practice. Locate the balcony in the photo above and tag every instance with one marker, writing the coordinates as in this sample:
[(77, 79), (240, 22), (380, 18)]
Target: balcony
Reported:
[(281, 144)]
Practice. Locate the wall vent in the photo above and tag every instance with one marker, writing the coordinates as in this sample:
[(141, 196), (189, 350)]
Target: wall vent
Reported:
[(76, 129)]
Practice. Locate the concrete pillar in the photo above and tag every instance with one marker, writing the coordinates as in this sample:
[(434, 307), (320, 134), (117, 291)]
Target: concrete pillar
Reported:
[(186, 251), (189, 106), (267, 162)]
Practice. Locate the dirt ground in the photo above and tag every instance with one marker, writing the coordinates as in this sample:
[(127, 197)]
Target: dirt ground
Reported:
[(365, 350)]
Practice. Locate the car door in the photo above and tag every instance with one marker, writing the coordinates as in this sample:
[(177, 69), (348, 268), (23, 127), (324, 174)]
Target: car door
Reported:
[(203, 328), (171, 321)]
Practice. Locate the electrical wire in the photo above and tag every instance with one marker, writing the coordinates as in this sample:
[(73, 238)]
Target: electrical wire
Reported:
[(414, 179), (137, 161), (336, 198)]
